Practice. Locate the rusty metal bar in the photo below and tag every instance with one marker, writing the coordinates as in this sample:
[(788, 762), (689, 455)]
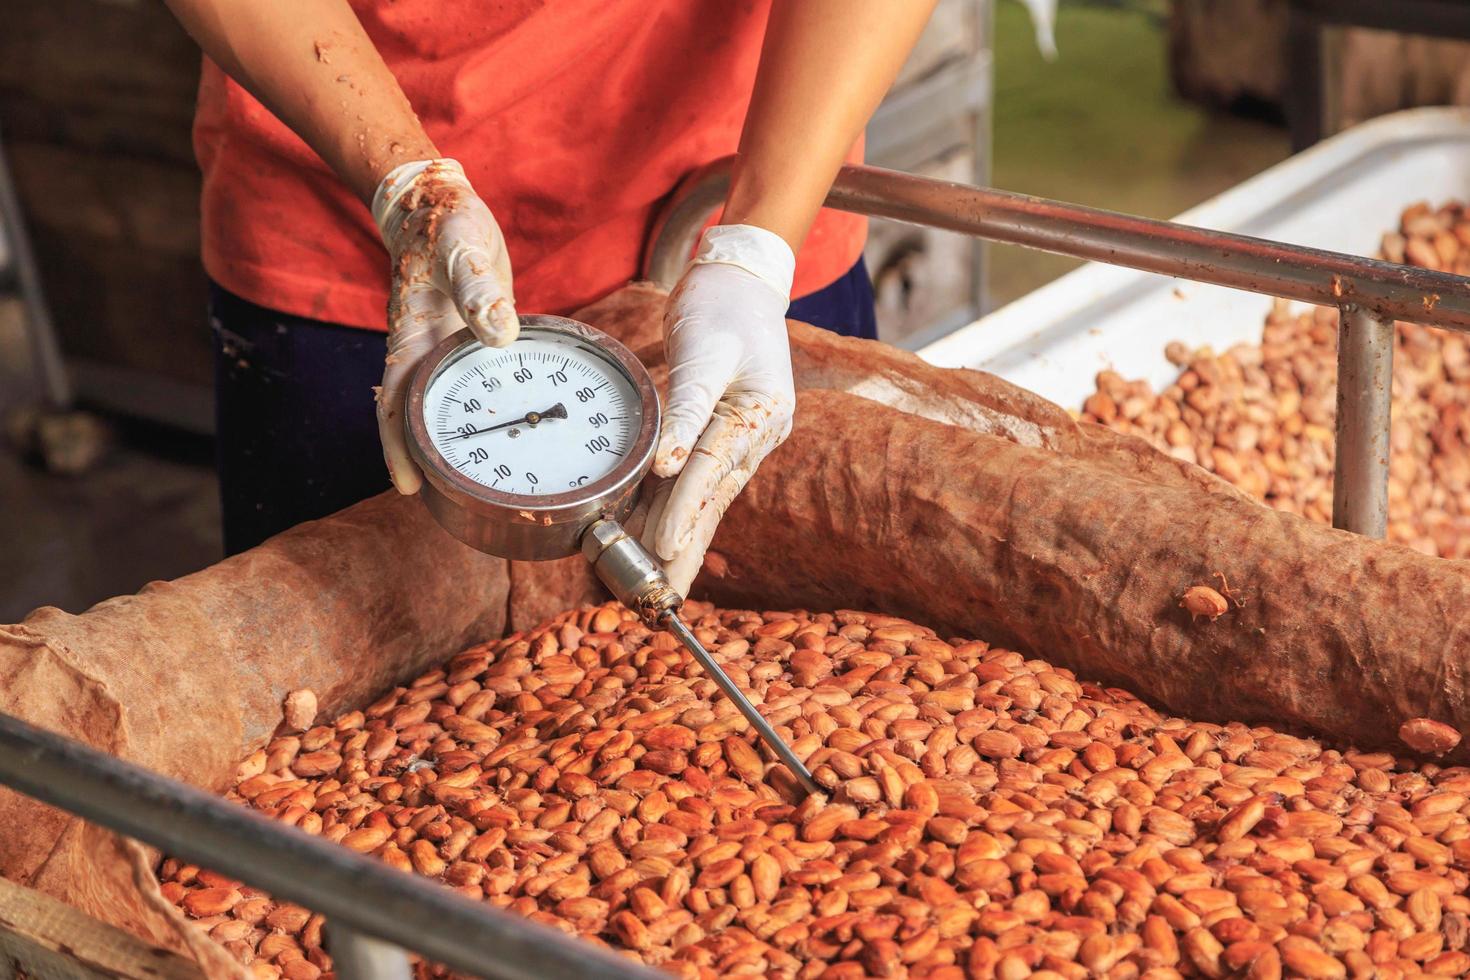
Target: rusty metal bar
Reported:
[(1364, 414), (1254, 264), (46, 356), (680, 221), (356, 892), (1371, 294)]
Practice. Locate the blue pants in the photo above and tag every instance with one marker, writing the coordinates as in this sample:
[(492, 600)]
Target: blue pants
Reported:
[(297, 437)]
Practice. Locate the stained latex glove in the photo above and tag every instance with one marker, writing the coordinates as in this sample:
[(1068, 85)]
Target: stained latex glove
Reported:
[(731, 395), (450, 270)]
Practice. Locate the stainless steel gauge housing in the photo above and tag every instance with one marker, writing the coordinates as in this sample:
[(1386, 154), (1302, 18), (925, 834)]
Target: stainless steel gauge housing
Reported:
[(459, 489)]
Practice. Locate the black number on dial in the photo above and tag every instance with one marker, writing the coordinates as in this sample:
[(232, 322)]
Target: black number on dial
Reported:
[(532, 479), (523, 375), (598, 420), (558, 377), (490, 384), (585, 394), (466, 429), (598, 444), (471, 405), (502, 471), (479, 455)]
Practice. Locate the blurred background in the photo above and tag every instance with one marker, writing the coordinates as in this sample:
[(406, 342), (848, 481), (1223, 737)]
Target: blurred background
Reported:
[(106, 478)]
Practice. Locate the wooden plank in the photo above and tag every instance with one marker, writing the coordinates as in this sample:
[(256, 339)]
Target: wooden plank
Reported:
[(1225, 53), (116, 238), (101, 75), (96, 98), (45, 939)]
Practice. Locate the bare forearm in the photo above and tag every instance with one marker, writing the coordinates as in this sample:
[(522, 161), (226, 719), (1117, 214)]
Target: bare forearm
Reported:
[(311, 63), (825, 66)]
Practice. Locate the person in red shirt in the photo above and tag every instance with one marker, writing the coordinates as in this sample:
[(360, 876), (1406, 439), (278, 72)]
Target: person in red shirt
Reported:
[(534, 135)]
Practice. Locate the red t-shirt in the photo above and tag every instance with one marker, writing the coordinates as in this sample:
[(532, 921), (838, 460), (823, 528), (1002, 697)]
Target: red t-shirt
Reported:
[(572, 118)]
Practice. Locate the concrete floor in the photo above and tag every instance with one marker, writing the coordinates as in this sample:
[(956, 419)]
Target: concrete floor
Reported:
[(1098, 127)]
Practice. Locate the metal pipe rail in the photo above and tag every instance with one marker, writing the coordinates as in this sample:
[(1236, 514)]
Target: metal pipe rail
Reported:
[(1371, 294), (364, 900), (50, 366)]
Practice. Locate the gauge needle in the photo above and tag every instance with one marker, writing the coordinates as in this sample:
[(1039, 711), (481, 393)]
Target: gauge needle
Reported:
[(557, 411)]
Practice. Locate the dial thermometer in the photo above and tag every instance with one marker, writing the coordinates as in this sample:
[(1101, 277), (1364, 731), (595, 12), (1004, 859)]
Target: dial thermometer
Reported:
[(537, 450)]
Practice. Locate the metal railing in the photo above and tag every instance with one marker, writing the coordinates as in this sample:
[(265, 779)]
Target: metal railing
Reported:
[(18, 263), (1370, 294), (373, 911)]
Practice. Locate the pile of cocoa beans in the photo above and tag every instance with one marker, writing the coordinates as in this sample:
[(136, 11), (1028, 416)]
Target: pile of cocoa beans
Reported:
[(1261, 416), (986, 815)]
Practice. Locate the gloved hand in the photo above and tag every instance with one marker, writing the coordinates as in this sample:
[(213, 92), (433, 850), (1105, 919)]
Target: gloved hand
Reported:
[(731, 395), (450, 270)]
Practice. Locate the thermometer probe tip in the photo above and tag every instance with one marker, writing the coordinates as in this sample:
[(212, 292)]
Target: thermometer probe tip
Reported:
[(639, 582)]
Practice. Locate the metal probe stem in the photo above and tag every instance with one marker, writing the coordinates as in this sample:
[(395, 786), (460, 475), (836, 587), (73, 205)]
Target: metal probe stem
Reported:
[(768, 734), (638, 581)]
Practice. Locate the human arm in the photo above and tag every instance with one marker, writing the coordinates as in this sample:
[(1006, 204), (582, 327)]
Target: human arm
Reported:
[(824, 68), (315, 68)]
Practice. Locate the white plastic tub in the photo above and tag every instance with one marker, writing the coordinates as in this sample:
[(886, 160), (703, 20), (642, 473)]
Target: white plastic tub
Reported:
[(1342, 194)]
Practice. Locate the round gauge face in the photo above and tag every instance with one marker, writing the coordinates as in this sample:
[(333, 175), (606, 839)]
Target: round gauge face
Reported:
[(546, 415)]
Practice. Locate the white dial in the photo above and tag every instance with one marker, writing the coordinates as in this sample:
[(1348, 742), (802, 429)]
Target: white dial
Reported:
[(546, 415)]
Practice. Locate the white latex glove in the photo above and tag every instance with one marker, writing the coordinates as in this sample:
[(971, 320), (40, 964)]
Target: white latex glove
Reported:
[(450, 270), (731, 395)]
